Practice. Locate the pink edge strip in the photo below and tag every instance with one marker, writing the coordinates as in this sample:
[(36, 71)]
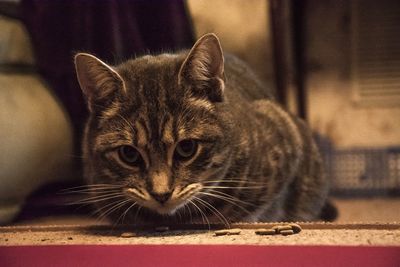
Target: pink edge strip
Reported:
[(198, 255)]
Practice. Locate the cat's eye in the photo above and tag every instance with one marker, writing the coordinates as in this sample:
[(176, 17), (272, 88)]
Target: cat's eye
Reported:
[(186, 149), (129, 155)]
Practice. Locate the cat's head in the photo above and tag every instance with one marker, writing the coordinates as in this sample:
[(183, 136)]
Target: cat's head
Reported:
[(157, 130)]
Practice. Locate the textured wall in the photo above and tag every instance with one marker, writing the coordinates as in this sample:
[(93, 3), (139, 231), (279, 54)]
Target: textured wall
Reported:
[(331, 108), (242, 26)]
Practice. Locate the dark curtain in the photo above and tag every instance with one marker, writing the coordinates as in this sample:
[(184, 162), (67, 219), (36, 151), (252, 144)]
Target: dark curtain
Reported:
[(110, 29)]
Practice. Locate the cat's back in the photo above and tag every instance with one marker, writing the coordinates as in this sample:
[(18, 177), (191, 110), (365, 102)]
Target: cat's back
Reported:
[(241, 81)]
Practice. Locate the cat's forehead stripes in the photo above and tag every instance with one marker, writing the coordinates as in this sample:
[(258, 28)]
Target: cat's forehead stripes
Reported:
[(168, 115), (168, 132), (112, 139), (112, 111), (141, 136), (159, 112)]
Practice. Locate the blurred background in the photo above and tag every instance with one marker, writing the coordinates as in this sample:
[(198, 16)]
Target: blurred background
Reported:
[(334, 63)]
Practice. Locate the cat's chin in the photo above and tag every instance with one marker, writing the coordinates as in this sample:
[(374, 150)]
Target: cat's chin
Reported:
[(167, 209)]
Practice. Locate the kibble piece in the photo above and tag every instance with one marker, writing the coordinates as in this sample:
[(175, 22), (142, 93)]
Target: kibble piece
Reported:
[(221, 232), (286, 232), (227, 232), (295, 227), (162, 228), (234, 231), (127, 234), (279, 228), (265, 231)]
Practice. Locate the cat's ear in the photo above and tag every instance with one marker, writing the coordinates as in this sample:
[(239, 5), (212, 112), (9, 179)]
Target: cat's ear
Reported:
[(98, 81), (203, 68)]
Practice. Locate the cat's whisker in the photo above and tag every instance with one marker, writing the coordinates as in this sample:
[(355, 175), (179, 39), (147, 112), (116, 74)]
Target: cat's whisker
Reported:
[(89, 188), (234, 187), (96, 192), (186, 206), (233, 181), (183, 208), (215, 192), (231, 197), (95, 185), (99, 211), (137, 213), (214, 210), (123, 214), (184, 211), (98, 187), (98, 198), (115, 207), (127, 210), (93, 193), (178, 212), (227, 200), (203, 215), (100, 193)]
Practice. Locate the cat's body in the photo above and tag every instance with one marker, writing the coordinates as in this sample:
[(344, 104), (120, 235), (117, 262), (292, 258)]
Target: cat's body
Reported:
[(170, 139)]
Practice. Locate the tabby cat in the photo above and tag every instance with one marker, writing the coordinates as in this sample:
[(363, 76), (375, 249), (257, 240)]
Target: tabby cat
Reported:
[(192, 137)]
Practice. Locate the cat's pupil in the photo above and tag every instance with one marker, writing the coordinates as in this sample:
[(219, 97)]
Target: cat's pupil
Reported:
[(186, 149), (129, 155)]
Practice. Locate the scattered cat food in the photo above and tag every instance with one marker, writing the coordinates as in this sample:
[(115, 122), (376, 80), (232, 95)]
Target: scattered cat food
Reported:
[(287, 229), (286, 232), (234, 232), (127, 234), (221, 232), (295, 227), (227, 232), (162, 228), (280, 228), (263, 231)]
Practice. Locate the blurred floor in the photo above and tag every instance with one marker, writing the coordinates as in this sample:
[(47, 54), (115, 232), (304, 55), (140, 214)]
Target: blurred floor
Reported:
[(350, 210), (64, 228), (368, 209)]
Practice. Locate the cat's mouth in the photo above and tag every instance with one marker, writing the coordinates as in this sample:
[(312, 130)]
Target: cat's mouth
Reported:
[(180, 197)]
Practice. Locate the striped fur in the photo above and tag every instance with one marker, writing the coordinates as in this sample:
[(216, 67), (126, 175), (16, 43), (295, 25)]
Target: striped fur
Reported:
[(255, 161)]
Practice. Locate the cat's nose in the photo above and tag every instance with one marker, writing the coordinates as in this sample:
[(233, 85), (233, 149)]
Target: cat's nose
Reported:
[(162, 198)]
